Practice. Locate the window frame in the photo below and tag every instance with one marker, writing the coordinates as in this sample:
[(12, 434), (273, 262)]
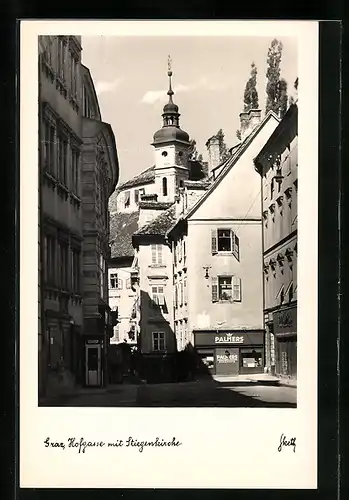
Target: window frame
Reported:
[(157, 297), (157, 254), (158, 336), (234, 243), (114, 278)]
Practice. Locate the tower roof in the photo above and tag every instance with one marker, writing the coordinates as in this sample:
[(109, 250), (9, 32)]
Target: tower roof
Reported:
[(170, 130)]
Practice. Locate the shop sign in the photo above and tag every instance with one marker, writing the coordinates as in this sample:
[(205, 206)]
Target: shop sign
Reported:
[(229, 338), (285, 321), (230, 358), (214, 338), (92, 341)]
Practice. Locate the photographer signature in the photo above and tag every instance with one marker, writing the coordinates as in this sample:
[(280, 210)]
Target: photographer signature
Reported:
[(287, 442)]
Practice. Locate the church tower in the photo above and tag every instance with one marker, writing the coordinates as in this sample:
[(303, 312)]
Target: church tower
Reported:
[(171, 145)]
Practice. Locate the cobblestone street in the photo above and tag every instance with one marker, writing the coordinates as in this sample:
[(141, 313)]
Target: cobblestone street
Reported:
[(207, 393)]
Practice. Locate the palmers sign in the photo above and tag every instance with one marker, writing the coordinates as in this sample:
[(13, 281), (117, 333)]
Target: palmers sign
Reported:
[(214, 338)]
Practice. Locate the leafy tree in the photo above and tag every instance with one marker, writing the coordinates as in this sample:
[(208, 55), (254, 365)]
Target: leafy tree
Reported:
[(276, 87), (251, 94), (223, 150)]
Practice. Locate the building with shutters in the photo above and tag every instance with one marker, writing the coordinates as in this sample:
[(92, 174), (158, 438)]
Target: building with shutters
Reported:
[(216, 245), (142, 209), (277, 164)]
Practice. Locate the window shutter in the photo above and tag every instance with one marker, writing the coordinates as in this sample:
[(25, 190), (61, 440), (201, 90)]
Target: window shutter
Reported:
[(153, 254), (214, 241), (159, 254), (236, 289), (214, 289), (128, 283), (236, 246), (119, 284)]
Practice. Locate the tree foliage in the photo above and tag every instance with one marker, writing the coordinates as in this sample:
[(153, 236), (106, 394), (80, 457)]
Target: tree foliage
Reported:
[(276, 87), (251, 94), (223, 150)]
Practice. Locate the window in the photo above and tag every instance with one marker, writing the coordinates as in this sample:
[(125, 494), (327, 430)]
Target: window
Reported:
[(164, 153), (225, 241), (76, 270), (49, 260), (176, 295), (181, 293), (49, 143), (289, 292), (113, 280), (73, 75), (63, 265), (158, 341), (157, 296), (271, 189), (226, 289), (117, 333), (136, 196), (156, 254), (75, 170), (61, 57), (127, 199), (62, 148), (281, 295), (185, 291), (251, 358), (164, 186), (101, 274)]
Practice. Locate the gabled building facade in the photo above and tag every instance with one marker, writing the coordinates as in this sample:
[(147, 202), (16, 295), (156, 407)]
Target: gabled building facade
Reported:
[(217, 251), (277, 163)]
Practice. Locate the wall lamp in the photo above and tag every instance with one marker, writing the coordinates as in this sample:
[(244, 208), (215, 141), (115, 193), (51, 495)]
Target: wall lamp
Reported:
[(206, 268)]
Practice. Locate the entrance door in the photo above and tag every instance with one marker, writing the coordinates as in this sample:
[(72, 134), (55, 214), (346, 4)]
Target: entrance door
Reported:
[(93, 365), (227, 361)]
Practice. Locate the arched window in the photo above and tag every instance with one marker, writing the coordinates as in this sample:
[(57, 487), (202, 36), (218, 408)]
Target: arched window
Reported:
[(164, 186)]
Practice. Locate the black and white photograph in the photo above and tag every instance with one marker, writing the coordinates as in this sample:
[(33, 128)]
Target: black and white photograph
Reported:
[(167, 234), (168, 243)]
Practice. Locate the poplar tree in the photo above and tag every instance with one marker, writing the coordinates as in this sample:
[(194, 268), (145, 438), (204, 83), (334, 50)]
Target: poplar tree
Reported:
[(276, 88), (251, 94)]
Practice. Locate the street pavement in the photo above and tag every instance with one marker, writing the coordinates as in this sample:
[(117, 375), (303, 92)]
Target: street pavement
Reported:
[(204, 393)]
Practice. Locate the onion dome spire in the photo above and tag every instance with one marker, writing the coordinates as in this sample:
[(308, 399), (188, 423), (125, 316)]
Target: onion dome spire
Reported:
[(170, 129)]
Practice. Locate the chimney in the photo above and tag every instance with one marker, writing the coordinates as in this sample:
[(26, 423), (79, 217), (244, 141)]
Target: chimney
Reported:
[(248, 121), (213, 153)]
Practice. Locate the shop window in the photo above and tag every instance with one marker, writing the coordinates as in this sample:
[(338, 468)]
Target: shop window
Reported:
[(206, 359), (158, 341), (225, 241), (251, 358), (113, 280)]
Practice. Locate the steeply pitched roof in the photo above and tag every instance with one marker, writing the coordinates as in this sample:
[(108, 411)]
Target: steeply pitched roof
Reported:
[(160, 225), (145, 177), (230, 162), (122, 227)]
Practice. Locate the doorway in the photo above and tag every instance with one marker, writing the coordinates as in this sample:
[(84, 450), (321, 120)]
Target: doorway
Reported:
[(93, 365), (227, 361)]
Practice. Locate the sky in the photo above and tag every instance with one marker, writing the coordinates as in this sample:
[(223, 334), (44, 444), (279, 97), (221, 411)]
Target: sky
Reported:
[(209, 78)]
